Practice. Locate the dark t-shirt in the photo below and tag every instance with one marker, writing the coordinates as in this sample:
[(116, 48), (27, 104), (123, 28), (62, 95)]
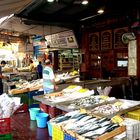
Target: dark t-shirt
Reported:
[(39, 68)]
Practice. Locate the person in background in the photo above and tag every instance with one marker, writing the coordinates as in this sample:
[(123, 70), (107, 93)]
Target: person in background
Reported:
[(31, 67), (39, 70), (3, 63), (48, 78)]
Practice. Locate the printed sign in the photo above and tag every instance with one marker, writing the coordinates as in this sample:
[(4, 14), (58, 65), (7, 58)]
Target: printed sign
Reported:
[(64, 39)]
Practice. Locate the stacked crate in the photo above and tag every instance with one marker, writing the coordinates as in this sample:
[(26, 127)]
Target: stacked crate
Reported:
[(31, 101), (5, 129)]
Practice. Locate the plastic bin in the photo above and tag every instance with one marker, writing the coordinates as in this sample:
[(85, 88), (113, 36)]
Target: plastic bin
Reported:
[(33, 112), (35, 105), (42, 119), (22, 109), (68, 137), (33, 93), (53, 111), (57, 133), (134, 114), (6, 137), (132, 129), (44, 108), (49, 128), (5, 127)]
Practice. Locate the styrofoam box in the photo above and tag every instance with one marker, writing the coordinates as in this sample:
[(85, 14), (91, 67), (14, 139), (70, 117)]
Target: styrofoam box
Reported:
[(132, 129), (121, 136)]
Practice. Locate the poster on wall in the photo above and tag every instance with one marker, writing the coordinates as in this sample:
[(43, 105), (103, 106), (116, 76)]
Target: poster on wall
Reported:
[(106, 39), (65, 39), (118, 37), (132, 58), (94, 41)]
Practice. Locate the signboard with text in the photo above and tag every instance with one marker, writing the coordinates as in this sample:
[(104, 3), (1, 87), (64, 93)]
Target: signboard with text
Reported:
[(65, 39)]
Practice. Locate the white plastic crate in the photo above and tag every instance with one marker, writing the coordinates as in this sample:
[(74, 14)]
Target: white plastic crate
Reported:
[(132, 129)]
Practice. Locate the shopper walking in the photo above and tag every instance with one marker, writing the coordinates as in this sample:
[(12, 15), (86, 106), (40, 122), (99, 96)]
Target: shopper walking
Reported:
[(48, 78), (40, 70), (3, 63)]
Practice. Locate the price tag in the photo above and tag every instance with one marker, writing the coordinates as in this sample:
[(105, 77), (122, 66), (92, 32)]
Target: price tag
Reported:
[(117, 119), (104, 97), (72, 86), (83, 110), (82, 90), (118, 103)]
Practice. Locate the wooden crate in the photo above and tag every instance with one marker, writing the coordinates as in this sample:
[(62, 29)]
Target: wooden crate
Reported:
[(18, 91)]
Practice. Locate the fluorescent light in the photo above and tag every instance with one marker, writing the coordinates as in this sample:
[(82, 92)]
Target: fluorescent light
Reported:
[(84, 2), (5, 18), (50, 0), (100, 11)]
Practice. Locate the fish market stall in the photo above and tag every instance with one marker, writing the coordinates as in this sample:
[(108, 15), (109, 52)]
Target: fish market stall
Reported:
[(117, 107), (26, 86), (86, 102), (70, 93), (81, 126)]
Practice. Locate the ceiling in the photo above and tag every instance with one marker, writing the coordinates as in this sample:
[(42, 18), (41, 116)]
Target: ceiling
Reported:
[(71, 13), (16, 27), (41, 17), (8, 7)]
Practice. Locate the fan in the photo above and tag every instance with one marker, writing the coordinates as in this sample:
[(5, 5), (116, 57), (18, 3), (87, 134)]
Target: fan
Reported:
[(126, 37)]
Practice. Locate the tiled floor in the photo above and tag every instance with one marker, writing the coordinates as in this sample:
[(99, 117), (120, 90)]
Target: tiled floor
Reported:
[(24, 129)]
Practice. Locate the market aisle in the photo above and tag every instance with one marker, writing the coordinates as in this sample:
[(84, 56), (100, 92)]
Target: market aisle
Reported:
[(24, 129)]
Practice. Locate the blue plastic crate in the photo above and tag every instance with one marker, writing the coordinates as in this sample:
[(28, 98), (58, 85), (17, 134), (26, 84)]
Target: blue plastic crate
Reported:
[(30, 96), (49, 128), (68, 137), (34, 93), (34, 105)]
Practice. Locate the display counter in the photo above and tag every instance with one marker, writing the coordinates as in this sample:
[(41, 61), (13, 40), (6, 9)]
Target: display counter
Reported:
[(120, 86), (127, 105)]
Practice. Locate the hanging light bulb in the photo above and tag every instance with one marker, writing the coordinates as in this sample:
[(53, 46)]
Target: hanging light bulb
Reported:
[(50, 0), (100, 11), (84, 2)]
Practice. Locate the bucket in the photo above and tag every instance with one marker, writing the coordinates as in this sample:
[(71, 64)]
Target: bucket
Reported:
[(49, 129), (42, 119), (33, 112)]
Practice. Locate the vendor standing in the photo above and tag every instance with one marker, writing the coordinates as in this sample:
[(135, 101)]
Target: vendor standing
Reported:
[(3, 63), (48, 78)]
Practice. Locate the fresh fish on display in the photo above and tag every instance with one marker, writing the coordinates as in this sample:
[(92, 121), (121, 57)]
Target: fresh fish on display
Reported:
[(87, 129), (92, 120), (79, 116), (96, 132), (103, 120), (72, 113), (84, 119), (89, 134), (61, 119), (111, 127), (105, 123)]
